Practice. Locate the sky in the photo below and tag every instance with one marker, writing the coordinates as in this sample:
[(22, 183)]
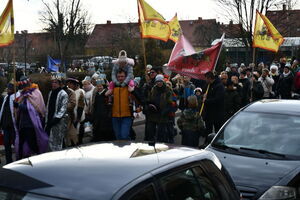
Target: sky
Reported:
[(117, 11), (27, 11)]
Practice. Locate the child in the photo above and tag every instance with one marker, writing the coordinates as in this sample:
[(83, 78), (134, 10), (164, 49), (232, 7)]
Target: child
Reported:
[(191, 124), (127, 65)]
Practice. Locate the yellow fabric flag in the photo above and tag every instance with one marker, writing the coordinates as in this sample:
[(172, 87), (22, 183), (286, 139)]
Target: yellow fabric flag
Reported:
[(266, 36), (7, 25), (176, 30), (152, 24)]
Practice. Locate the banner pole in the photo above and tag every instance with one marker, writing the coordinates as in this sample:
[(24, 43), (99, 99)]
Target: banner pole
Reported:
[(14, 69), (144, 52), (202, 106)]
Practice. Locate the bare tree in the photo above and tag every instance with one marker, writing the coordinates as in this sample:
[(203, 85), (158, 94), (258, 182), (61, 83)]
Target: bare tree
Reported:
[(68, 21), (243, 12)]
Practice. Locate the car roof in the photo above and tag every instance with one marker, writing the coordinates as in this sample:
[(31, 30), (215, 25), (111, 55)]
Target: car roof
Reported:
[(95, 171), (275, 106)]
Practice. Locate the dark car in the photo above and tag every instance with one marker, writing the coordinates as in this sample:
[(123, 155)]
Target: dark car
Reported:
[(260, 148), (119, 170)]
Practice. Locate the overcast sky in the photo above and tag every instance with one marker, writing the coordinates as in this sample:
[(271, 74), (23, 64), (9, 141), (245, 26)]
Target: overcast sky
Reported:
[(27, 11)]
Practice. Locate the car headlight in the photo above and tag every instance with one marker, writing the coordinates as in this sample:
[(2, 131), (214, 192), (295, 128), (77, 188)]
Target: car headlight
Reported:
[(280, 193)]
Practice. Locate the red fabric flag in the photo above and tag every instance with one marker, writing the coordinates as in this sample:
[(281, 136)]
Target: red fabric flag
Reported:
[(185, 61)]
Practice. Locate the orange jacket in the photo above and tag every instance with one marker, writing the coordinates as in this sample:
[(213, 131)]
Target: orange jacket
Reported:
[(121, 102)]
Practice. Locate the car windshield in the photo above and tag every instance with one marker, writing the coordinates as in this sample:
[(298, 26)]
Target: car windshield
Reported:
[(272, 134)]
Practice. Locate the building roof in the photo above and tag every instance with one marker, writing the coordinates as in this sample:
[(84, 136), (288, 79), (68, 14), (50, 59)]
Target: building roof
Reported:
[(102, 168), (286, 21), (200, 32)]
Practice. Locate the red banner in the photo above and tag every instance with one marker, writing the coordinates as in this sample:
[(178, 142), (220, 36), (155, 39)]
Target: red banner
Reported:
[(185, 61)]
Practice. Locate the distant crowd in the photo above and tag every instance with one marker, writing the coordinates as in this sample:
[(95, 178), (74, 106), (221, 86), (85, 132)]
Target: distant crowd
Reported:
[(107, 110)]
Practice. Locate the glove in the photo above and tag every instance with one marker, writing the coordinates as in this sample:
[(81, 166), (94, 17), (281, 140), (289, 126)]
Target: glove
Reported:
[(152, 108)]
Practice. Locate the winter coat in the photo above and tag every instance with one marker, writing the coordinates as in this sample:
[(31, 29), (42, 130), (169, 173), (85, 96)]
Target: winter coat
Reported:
[(183, 93), (285, 85), (257, 91), (11, 106), (191, 120), (267, 84), (214, 103), (245, 98), (121, 101), (58, 130), (159, 104), (79, 108), (232, 102)]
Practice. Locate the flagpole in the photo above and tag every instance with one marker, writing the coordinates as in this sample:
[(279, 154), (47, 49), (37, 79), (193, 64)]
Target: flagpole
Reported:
[(14, 69), (144, 52), (202, 106)]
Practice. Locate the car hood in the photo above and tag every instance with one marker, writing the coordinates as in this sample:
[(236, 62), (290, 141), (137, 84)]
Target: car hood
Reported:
[(256, 173)]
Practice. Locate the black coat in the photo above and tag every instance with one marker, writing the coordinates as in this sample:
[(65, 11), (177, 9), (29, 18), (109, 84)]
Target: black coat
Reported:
[(245, 98), (257, 91), (214, 104), (285, 85), (232, 101)]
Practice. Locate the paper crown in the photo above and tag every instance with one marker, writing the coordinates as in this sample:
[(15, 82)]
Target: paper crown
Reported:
[(58, 76)]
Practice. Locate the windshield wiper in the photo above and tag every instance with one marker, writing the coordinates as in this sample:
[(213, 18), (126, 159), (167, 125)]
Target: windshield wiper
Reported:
[(224, 146), (263, 152)]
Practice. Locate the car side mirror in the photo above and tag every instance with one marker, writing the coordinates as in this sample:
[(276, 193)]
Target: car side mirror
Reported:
[(210, 137)]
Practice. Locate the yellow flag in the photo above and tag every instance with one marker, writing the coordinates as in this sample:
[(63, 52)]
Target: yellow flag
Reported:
[(175, 29), (266, 36), (152, 24), (7, 25)]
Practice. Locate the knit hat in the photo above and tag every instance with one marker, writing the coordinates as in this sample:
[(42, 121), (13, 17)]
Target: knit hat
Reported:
[(137, 80), (100, 81), (149, 67), (197, 89), (73, 80), (24, 82), (11, 85), (159, 77), (122, 56), (273, 67), (287, 65)]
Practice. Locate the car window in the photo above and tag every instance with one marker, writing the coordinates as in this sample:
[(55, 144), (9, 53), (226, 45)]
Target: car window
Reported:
[(261, 131), (207, 186), (181, 186), (145, 194), (214, 183)]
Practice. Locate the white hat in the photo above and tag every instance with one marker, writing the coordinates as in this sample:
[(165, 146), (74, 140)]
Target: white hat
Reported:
[(122, 56), (159, 77), (149, 67)]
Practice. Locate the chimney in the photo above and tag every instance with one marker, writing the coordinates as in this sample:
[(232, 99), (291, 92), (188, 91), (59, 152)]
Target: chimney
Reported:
[(200, 18), (108, 22), (17, 32), (284, 7), (231, 22)]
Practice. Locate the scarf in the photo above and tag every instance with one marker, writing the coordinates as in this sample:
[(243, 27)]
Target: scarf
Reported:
[(286, 74)]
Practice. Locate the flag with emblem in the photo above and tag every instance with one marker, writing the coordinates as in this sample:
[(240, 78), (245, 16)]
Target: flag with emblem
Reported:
[(152, 23), (7, 25), (185, 61), (175, 29), (265, 35)]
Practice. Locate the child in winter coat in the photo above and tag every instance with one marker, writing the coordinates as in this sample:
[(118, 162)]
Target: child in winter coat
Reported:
[(127, 65), (191, 123)]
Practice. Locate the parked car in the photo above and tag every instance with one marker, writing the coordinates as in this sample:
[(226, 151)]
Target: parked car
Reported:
[(260, 148), (119, 170)]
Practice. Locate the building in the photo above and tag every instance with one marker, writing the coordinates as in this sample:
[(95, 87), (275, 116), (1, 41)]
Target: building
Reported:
[(107, 39)]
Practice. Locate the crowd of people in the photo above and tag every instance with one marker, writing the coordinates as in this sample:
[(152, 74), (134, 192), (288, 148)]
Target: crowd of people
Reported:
[(107, 109)]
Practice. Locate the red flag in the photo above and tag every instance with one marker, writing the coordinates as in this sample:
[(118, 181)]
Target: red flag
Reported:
[(185, 61)]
